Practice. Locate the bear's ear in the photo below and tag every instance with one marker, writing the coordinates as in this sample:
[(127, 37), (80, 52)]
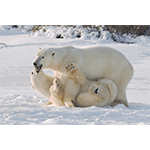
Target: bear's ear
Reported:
[(39, 48)]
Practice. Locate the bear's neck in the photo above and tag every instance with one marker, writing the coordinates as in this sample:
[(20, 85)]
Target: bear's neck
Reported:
[(65, 60)]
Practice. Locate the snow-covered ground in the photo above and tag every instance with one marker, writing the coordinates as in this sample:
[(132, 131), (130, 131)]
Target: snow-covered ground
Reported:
[(20, 104)]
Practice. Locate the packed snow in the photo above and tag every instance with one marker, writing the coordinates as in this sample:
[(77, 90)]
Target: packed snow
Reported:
[(21, 104)]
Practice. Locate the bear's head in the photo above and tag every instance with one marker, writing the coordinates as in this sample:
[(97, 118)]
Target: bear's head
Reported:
[(49, 58)]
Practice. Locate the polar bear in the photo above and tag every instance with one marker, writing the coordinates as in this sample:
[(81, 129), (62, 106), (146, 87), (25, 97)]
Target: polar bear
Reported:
[(95, 62), (41, 82), (99, 93)]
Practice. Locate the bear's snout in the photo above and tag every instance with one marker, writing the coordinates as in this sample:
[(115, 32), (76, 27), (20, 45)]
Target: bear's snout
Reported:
[(34, 64), (37, 66)]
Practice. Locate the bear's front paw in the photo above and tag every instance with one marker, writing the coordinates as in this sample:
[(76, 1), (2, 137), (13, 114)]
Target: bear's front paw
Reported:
[(70, 67), (57, 84)]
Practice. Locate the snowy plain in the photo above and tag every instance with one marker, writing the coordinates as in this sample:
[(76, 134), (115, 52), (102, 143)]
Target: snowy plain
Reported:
[(20, 104)]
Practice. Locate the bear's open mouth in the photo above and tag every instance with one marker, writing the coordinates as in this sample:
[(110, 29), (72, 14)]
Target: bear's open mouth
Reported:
[(39, 68)]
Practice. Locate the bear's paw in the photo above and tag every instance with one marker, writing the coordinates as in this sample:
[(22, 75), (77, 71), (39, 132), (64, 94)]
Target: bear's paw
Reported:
[(71, 68)]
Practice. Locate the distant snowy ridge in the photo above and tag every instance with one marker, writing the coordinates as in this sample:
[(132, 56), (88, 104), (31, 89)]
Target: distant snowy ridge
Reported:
[(77, 32), (13, 29)]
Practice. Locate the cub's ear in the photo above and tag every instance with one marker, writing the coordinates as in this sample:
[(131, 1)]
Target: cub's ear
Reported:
[(39, 48)]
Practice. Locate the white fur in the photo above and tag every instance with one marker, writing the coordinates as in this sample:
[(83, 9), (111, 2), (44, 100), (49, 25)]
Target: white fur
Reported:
[(105, 96), (41, 82), (54, 89), (95, 62)]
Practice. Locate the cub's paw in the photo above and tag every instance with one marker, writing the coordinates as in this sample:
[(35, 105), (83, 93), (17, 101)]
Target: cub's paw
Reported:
[(57, 83), (70, 67), (94, 89)]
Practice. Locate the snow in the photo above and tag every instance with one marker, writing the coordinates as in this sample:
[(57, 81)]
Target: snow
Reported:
[(20, 104)]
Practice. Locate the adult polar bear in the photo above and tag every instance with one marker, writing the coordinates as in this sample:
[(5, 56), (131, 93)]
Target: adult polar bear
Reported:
[(95, 62)]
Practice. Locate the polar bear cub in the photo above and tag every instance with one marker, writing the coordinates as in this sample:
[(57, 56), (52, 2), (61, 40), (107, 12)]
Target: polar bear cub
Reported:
[(99, 93), (41, 82), (44, 85)]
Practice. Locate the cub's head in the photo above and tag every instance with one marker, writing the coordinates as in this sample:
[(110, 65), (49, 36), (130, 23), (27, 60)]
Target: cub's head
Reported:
[(48, 58), (35, 76)]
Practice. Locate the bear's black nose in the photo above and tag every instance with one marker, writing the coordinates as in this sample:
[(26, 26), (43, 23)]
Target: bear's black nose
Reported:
[(34, 64)]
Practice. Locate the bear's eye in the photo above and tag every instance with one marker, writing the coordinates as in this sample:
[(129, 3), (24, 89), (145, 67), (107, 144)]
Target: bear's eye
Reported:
[(43, 57), (53, 54), (31, 72)]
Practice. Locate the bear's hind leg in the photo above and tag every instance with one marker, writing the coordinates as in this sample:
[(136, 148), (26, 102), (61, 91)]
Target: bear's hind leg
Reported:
[(121, 98), (122, 84)]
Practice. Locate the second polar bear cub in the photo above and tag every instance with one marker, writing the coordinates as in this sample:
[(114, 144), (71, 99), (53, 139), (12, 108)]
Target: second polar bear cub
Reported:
[(99, 93)]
